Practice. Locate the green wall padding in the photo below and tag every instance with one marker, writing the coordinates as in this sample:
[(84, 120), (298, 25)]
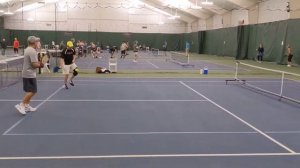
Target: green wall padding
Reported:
[(154, 40), (272, 36), (293, 38), (242, 42), (221, 42), (239, 42), (193, 39)]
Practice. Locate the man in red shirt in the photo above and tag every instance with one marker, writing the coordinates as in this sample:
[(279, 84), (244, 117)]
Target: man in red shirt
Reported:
[(16, 46)]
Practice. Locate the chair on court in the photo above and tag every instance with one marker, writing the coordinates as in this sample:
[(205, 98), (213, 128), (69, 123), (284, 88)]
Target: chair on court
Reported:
[(113, 65)]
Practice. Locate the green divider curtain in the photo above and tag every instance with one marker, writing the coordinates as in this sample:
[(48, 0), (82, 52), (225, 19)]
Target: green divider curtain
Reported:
[(272, 36), (242, 42), (293, 38), (239, 42)]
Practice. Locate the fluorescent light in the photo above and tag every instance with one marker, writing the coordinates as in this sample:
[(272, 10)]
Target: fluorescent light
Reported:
[(196, 7), (4, 1), (8, 13), (31, 7), (183, 4), (174, 17), (1, 11), (51, 1), (30, 19), (207, 3), (135, 3), (161, 22), (62, 7)]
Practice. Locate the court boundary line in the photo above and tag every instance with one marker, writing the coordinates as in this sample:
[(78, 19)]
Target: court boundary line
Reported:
[(151, 81), (124, 133), (39, 105), (240, 119), (146, 156), (92, 100), (282, 132), (155, 66), (146, 133)]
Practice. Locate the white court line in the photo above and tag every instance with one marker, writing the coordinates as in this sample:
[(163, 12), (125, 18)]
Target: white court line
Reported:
[(92, 100), (240, 119), (155, 66), (128, 84), (124, 133), (282, 132), (143, 133), (152, 81), (13, 126), (43, 102), (147, 156)]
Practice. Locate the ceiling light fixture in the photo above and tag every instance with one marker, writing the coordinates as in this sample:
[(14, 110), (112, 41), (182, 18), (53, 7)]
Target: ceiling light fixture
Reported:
[(196, 5), (30, 19), (8, 13), (206, 2)]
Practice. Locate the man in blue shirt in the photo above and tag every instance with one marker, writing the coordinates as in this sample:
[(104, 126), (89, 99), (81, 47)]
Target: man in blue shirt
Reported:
[(187, 48)]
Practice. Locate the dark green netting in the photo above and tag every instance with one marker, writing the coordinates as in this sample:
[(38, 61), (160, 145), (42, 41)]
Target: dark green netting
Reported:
[(293, 38), (242, 42), (221, 42), (193, 39), (154, 40), (239, 42)]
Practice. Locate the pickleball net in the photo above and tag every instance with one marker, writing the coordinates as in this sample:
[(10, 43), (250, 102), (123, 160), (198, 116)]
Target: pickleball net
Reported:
[(11, 71), (285, 85)]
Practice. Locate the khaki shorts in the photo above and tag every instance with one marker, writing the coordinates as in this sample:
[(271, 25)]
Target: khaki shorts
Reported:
[(67, 69)]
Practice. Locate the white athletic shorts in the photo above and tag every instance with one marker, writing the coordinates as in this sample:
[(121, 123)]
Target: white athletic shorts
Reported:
[(67, 69)]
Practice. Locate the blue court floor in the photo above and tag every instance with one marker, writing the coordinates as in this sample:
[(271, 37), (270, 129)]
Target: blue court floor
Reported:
[(151, 122)]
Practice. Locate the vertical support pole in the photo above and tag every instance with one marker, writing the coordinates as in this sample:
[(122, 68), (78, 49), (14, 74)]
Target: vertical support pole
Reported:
[(236, 71), (282, 82)]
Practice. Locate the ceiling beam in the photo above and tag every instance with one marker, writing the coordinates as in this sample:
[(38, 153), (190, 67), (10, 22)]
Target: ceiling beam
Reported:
[(155, 3), (243, 3), (215, 9)]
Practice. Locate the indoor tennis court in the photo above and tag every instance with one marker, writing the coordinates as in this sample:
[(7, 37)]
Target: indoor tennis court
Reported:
[(149, 83)]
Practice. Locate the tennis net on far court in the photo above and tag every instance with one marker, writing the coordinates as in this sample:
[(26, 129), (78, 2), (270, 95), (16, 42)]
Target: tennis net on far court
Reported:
[(155, 51), (11, 71), (180, 58), (9, 51), (285, 85)]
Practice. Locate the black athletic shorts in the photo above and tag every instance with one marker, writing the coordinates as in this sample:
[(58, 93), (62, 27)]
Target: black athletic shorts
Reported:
[(30, 85), (16, 50), (123, 52), (290, 57)]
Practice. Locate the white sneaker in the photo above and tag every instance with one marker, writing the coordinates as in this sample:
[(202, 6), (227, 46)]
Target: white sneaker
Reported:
[(28, 108), (21, 109), (289, 66), (135, 61)]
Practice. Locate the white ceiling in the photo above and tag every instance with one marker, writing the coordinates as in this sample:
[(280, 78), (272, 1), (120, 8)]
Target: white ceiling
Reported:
[(187, 13)]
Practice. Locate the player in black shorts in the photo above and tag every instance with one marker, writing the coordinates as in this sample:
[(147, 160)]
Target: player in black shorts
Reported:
[(68, 64), (123, 49), (260, 53), (290, 56), (31, 63), (112, 51)]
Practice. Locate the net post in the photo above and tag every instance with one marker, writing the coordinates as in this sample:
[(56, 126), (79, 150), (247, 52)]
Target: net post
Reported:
[(236, 70), (282, 82)]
